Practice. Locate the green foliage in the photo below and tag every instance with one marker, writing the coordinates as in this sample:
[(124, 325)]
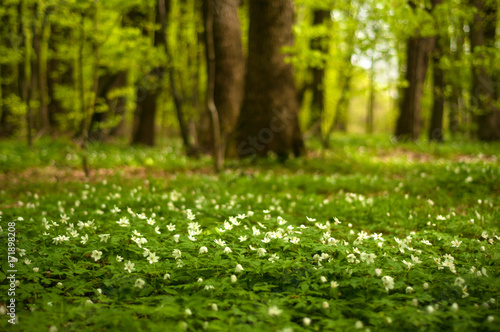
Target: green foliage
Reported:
[(427, 213)]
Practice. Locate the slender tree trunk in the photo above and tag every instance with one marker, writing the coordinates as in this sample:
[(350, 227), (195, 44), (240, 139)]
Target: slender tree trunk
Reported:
[(269, 116), (436, 125), (218, 148), (164, 10), (483, 33), (41, 56), (370, 113), (25, 69), (318, 73)]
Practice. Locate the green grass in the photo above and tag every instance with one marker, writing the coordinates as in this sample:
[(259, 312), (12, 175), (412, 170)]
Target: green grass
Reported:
[(407, 194)]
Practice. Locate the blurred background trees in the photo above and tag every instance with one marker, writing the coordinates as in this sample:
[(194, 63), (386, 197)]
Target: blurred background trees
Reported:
[(274, 72)]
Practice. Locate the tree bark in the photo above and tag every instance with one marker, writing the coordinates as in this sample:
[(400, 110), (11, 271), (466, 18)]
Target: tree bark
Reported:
[(370, 112), (268, 119), (228, 72), (436, 125), (482, 35), (318, 73), (147, 95), (418, 53)]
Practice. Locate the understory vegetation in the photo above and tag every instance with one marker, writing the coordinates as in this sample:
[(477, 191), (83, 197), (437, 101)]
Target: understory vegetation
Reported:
[(366, 236)]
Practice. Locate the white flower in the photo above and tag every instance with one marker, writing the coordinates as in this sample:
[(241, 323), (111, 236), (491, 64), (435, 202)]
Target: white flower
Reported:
[(96, 255), (459, 282), (415, 259), (455, 243), (129, 266), (200, 280), (274, 311), (326, 305), (203, 250), (166, 276), (491, 319), (59, 285), (176, 253), (368, 258), (220, 242), (227, 250), (176, 238), (151, 221), (426, 286), (273, 258), (358, 325), (306, 321), (408, 264), (323, 279), (214, 307), (188, 312), (104, 237), (409, 290), (334, 284), (388, 283), (157, 230), (119, 258), (310, 219), (426, 242), (295, 240), (414, 302), (238, 268), (152, 258), (454, 306), (171, 227), (35, 269), (233, 278), (209, 287), (378, 272), (351, 258), (265, 240), (261, 252), (242, 238), (430, 309), (139, 283)]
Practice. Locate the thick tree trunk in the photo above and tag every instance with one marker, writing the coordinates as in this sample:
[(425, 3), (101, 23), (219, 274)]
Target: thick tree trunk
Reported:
[(145, 121), (436, 125), (418, 53), (268, 119), (229, 71), (149, 91), (483, 32)]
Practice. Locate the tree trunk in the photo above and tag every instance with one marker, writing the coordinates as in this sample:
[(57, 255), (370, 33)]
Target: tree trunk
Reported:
[(146, 113), (370, 112), (455, 99), (147, 94), (436, 125), (318, 73), (269, 116), (418, 53), (483, 32), (229, 71)]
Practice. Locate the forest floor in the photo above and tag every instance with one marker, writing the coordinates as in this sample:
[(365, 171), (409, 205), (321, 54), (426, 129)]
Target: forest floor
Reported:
[(369, 235)]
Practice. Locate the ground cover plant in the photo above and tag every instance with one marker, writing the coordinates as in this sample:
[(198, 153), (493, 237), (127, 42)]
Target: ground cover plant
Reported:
[(369, 236)]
